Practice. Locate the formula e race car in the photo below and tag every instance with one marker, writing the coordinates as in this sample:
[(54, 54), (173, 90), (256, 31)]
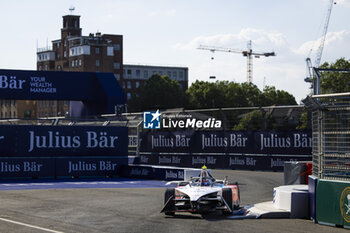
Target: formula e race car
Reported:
[(202, 195)]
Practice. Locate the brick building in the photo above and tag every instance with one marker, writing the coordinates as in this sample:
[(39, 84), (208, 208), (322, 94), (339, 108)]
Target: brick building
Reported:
[(92, 53), (75, 52)]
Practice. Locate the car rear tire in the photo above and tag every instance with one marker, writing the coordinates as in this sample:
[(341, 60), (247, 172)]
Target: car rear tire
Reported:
[(169, 196)]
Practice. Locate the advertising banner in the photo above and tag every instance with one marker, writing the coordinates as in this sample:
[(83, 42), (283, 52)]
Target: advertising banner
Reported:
[(27, 167), (243, 162), (91, 93), (333, 202), (245, 142), (152, 172), (83, 166), (58, 85), (138, 171), (49, 141)]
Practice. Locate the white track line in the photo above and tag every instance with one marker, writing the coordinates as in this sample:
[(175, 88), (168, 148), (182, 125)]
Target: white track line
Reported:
[(31, 226)]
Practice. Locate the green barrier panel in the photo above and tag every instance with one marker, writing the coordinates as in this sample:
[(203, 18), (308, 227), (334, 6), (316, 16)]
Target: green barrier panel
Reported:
[(333, 202)]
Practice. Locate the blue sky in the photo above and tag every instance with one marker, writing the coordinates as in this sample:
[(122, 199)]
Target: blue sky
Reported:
[(167, 32)]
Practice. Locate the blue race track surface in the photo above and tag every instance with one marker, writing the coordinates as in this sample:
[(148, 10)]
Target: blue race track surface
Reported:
[(80, 184)]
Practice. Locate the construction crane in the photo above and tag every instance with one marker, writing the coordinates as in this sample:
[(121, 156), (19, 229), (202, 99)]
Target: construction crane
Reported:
[(249, 53), (321, 46)]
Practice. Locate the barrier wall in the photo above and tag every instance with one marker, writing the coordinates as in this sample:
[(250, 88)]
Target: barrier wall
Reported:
[(244, 162), (61, 167), (249, 150), (159, 172), (153, 172), (333, 203), (312, 196), (297, 142), (47, 141), (62, 151)]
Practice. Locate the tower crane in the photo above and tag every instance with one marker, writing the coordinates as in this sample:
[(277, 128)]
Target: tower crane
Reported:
[(249, 53), (321, 46)]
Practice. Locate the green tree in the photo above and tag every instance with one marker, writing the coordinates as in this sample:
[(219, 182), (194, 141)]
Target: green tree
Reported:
[(206, 95), (158, 92), (277, 97), (252, 94), (255, 120), (335, 82), (235, 95), (304, 120), (230, 94)]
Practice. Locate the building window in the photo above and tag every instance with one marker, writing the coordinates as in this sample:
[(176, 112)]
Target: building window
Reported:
[(76, 62), (169, 74), (145, 74), (129, 84), (116, 47), (72, 63), (174, 75), (123, 71), (110, 51), (138, 73), (79, 62), (97, 50), (39, 67), (129, 95), (181, 75), (124, 84), (117, 76), (97, 62), (64, 54), (137, 84), (129, 72), (116, 65), (46, 67)]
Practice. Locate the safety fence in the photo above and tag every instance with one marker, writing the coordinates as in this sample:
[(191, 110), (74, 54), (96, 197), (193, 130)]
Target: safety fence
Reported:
[(329, 186)]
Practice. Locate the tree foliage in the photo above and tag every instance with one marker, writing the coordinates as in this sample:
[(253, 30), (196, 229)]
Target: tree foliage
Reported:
[(255, 120), (229, 94), (158, 92), (335, 82), (277, 97)]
